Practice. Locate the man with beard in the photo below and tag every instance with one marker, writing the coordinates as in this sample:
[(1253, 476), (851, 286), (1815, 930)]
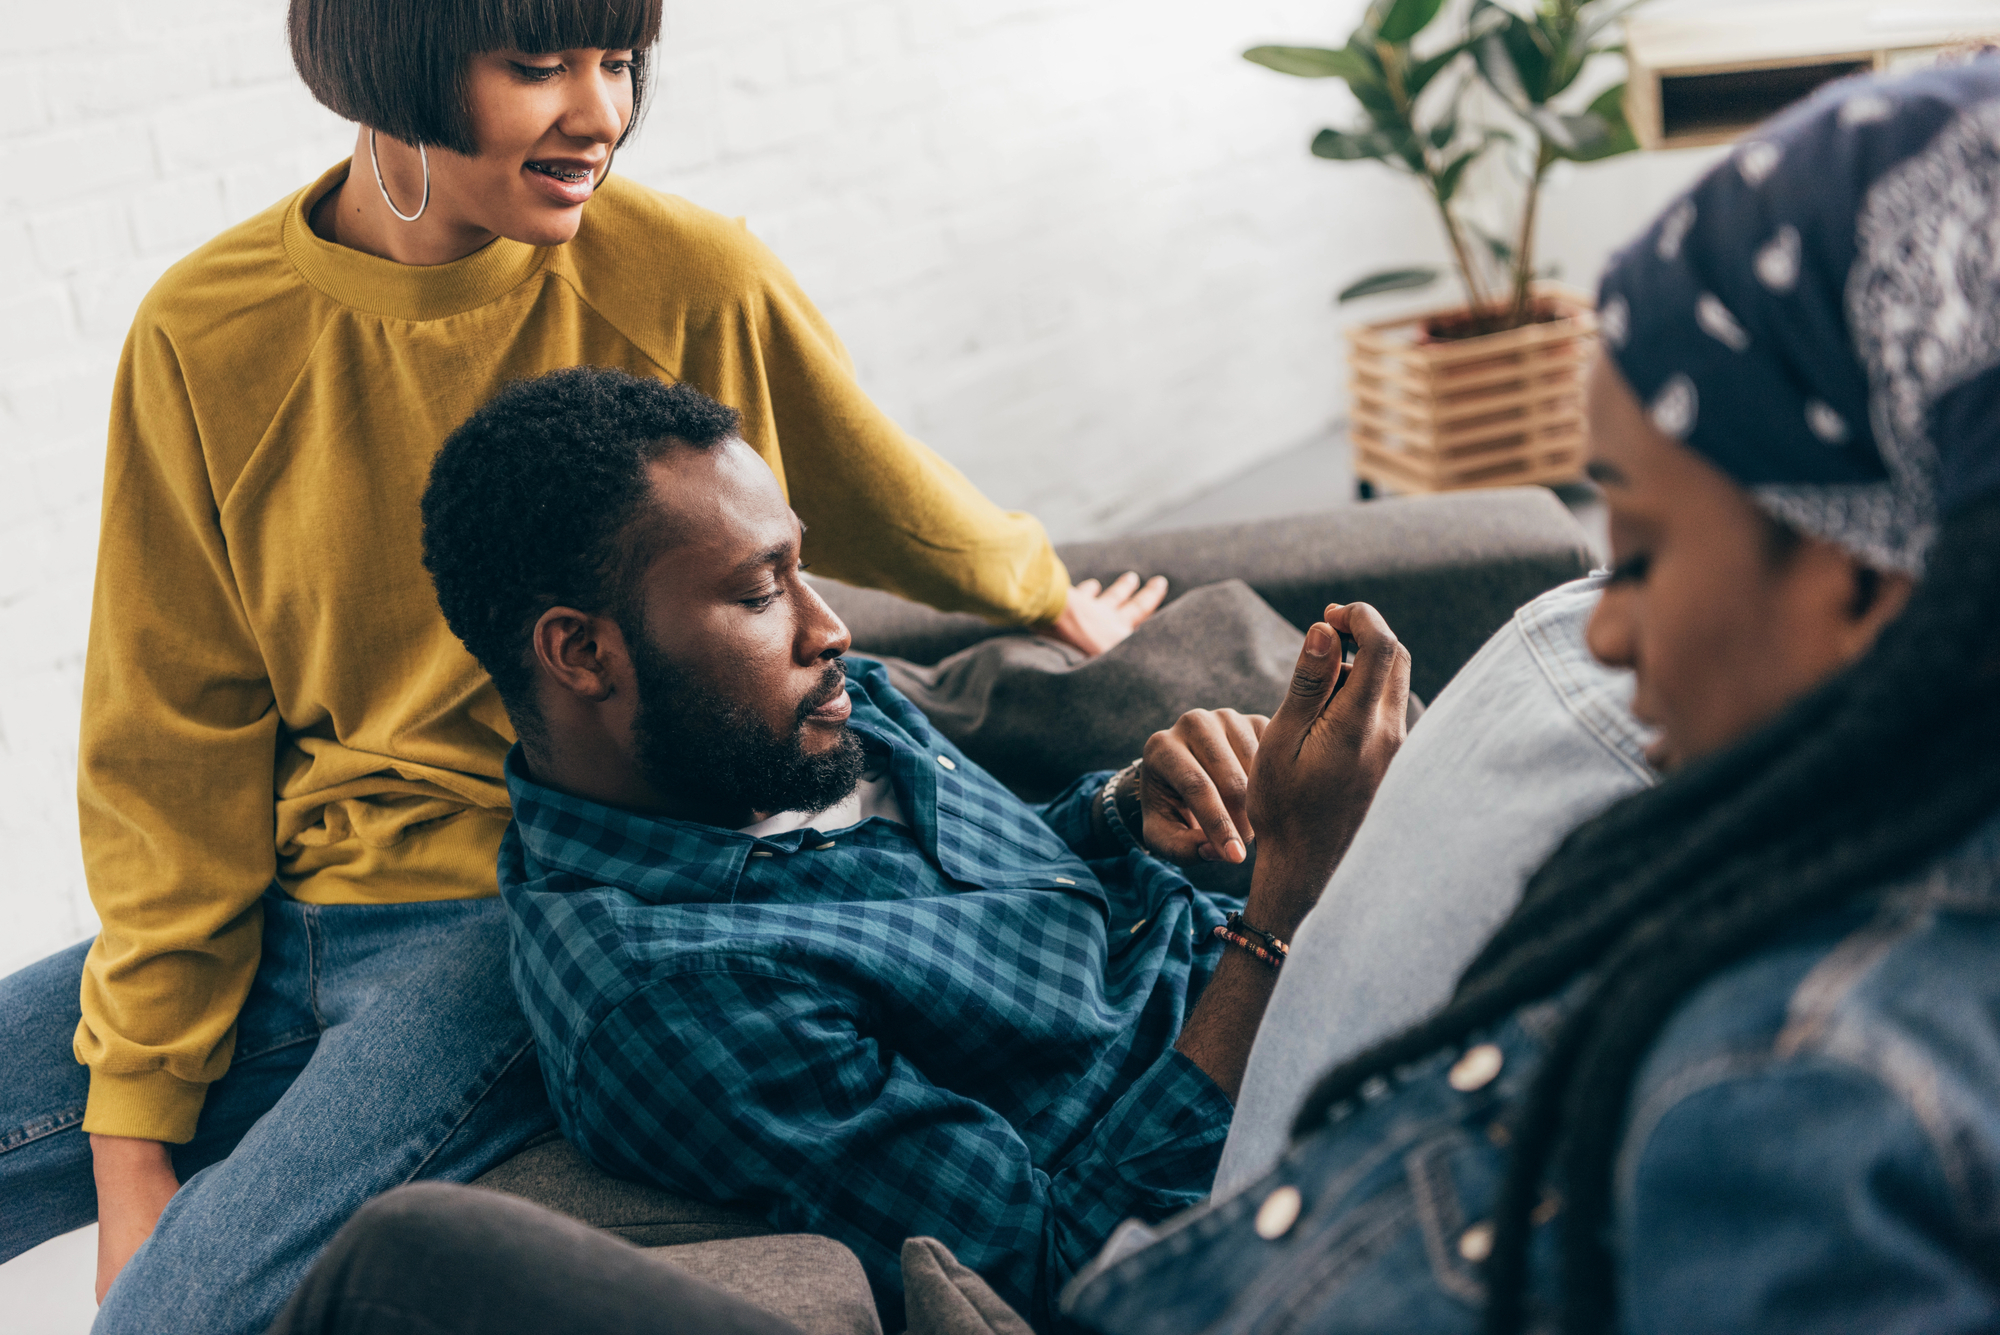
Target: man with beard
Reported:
[(783, 946)]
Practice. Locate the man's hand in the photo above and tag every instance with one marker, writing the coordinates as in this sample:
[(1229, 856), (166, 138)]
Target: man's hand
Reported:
[(1194, 786), (1317, 766), (135, 1180), (1322, 758), (1095, 618)]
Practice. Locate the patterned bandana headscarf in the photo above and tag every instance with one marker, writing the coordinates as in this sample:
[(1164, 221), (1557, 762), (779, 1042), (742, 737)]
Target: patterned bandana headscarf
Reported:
[(1820, 315)]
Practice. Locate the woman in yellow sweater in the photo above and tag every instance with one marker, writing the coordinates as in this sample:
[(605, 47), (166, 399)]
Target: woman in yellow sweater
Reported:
[(290, 770)]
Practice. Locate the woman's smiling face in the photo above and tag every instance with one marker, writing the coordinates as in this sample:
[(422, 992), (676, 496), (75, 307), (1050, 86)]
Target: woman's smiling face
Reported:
[(1723, 616), (545, 125)]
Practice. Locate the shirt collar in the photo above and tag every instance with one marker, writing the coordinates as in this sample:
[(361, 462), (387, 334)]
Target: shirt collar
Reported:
[(402, 291)]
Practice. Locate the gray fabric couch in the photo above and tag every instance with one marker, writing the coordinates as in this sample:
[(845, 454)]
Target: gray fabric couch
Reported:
[(1446, 571)]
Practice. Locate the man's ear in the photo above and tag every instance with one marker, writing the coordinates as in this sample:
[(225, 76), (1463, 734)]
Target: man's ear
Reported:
[(579, 652)]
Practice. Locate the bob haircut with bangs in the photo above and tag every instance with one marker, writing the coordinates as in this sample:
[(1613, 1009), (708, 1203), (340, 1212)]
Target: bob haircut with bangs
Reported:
[(398, 66)]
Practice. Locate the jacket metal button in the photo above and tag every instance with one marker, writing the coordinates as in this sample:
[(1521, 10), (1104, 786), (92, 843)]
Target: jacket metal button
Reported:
[(946, 761), (1278, 1213), (1476, 1243), (1476, 1069)]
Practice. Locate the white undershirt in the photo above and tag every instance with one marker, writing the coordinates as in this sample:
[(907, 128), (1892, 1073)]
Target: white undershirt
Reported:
[(873, 796)]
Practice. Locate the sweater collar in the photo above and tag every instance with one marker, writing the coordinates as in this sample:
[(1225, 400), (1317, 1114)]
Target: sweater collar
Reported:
[(402, 291)]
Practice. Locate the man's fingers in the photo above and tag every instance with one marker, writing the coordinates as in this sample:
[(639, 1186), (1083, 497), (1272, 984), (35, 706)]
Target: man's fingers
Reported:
[(1187, 785), (1089, 588), (1123, 587), (1312, 677), (1243, 730), (1229, 776), (1380, 676)]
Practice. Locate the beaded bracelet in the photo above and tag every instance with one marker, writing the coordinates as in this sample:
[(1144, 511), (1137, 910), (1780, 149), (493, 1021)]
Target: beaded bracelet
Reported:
[(1274, 960), (1112, 816), (1270, 939)]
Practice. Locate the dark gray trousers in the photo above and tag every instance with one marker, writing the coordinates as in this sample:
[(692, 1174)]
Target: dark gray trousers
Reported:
[(434, 1259)]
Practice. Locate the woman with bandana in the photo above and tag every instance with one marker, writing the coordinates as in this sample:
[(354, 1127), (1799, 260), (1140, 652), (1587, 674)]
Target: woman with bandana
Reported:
[(1733, 1063)]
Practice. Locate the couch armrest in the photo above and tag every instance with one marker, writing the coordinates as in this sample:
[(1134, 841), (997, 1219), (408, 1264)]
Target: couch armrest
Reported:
[(1446, 571), (815, 1283), (549, 1172)]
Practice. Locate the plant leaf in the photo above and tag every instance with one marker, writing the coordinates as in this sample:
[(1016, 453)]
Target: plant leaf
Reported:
[(1342, 146), (1555, 35), (1572, 137), (1404, 19), (1503, 251), (1372, 90), (1513, 59), (1312, 62), (1496, 66), (1613, 133), (1447, 181), (1388, 280), (1422, 72)]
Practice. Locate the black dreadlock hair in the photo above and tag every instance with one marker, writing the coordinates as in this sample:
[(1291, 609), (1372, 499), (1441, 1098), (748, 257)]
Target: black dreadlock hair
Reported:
[(1672, 885)]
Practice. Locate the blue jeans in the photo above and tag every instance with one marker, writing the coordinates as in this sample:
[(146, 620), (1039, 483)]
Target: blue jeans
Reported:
[(380, 1044)]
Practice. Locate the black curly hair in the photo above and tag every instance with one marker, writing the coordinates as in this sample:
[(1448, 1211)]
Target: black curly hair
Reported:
[(532, 504)]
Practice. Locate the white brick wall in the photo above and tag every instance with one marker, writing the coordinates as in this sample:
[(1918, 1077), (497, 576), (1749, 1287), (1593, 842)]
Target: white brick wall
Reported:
[(128, 134)]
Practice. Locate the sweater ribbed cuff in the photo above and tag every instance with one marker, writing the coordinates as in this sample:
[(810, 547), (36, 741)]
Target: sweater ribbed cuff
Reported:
[(1055, 595), (145, 1105)]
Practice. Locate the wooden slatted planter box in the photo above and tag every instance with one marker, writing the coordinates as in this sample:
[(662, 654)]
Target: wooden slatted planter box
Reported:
[(1495, 410)]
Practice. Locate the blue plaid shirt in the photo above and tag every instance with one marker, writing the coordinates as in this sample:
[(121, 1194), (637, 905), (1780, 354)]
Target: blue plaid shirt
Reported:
[(962, 1030)]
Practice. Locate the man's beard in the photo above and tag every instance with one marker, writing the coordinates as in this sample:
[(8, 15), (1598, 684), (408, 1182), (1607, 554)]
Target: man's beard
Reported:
[(711, 752)]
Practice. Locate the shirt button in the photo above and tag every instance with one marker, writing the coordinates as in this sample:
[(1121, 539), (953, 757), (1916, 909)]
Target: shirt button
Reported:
[(1476, 1243), (946, 761), (821, 848), (1476, 1069), (1278, 1213)]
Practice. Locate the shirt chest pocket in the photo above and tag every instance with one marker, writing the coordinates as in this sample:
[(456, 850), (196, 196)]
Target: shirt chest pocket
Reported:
[(995, 844)]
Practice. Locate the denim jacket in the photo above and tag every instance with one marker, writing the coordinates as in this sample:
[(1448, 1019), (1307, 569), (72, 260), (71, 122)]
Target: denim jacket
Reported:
[(1812, 1144)]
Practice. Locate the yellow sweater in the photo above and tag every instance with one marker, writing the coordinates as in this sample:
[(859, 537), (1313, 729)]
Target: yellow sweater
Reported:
[(263, 628)]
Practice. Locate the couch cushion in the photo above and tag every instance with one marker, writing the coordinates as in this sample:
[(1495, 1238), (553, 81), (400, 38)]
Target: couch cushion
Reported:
[(551, 1173), (1037, 713), (942, 1297), (1447, 571), (815, 1283)]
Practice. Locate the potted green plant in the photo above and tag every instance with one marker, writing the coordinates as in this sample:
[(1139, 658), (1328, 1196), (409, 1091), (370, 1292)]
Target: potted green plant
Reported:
[(1487, 392)]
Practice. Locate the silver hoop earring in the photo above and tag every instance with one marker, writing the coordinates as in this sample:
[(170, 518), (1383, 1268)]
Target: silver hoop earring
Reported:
[(376, 162)]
